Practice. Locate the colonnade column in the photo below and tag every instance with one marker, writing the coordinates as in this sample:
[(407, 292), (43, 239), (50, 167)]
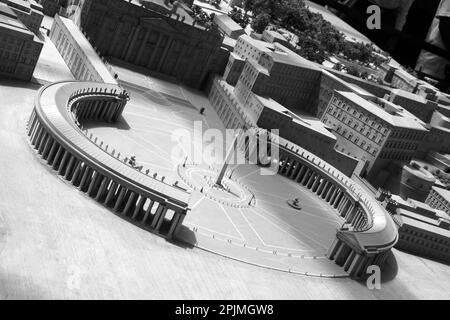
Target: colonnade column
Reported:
[(330, 192), (129, 48), (142, 48), (305, 177), (321, 187)]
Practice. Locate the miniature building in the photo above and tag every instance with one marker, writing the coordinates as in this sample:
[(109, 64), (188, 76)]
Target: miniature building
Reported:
[(228, 26), (439, 160), (19, 48), (400, 79), (330, 82), (377, 132), (306, 131), (438, 137), (28, 11), (268, 85), (376, 89), (152, 37), (274, 71), (77, 52), (416, 182), (440, 199), (422, 236), (273, 36), (423, 229), (416, 104)]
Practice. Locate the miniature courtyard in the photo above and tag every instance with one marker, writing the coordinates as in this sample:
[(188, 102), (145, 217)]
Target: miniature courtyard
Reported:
[(268, 232), (57, 243)]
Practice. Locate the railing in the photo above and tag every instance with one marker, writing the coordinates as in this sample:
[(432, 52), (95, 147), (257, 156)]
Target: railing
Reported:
[(53, 107)]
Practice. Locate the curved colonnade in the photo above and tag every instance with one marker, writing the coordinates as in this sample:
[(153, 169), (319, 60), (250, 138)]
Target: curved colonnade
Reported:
[(369, 232), (54, 132)]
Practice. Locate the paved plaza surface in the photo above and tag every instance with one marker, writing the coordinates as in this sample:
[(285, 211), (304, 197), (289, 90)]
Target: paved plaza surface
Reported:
[(57, 243), (269, 233)]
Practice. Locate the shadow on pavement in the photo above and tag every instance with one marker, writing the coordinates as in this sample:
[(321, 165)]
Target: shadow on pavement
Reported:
[(390, 269), (120, 124), (185, 238), (19, 84), (423, 256)]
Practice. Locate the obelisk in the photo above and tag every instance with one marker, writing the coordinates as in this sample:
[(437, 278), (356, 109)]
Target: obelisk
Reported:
[(230, 153)]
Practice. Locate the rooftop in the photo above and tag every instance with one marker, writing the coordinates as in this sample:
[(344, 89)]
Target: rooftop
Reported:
[(408, 218), (275, 34), (346, 76), (440, 121), (421, 205), (260, 45), (389, 112), (303, 120), (9, 20), (259, 67), (19, 4), (284, 55), (360, 91), (7, 11), (229, 43), (420, 172), (400, 200), (417, 216), (351, 86), (409, 95), (228, 22), (444, 99)]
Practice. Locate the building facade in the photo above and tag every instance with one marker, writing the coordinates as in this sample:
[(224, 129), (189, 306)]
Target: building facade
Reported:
[(274, 71), (19, 48), (440, 199), (157, 41), (424, 239), (376, 132), (77, 52), (418, 105), (400, 79), (415, 182), (423, 230), (438, 138), (376, 89), (307, 132), (329, 83)]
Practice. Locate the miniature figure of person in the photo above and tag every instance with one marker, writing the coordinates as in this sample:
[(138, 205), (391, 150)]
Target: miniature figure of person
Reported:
[(132, 161)]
